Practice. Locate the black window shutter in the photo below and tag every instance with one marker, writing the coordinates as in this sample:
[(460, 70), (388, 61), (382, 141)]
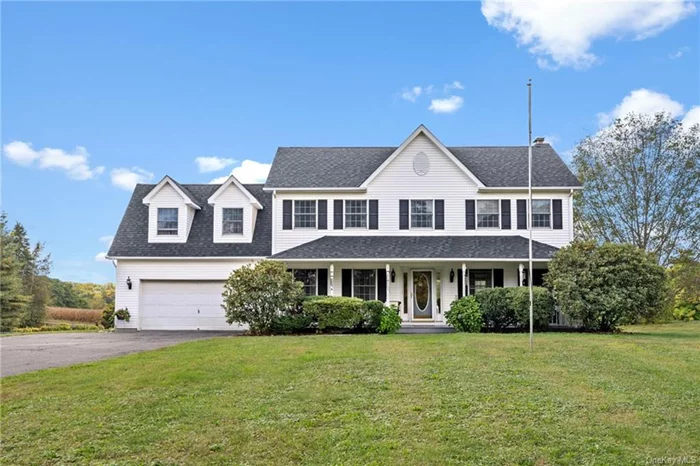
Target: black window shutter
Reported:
[(460, 283), (322, 214), (322, 277), (381, 285), (469, 210), (505, 214), (522, 214), (373, 214), (347, 282), (338, 214), (558, 224), (498, 278), (287, 215), (439, 214), (403, 214)]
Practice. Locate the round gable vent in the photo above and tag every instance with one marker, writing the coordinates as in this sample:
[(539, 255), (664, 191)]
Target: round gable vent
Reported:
[(421, 164)]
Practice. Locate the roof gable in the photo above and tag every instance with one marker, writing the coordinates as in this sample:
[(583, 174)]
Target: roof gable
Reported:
[(424, 131), (233, 181), (187, 196)]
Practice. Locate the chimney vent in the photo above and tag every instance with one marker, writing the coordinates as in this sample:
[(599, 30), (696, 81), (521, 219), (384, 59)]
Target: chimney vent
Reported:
[(539, 140)]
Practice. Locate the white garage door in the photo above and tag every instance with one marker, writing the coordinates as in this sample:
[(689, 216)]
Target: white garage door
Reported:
[(183, 305)]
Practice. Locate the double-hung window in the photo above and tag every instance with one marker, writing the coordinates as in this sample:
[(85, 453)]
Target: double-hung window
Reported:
[(480, 279), (304, 214), (541, 213), (364, 284), (487, 213), (422, 214), (232, 221), (309, 278), (167, 221), (356, 214)]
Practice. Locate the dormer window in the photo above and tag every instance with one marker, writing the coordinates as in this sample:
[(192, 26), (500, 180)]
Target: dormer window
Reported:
[(167, 221), (232, 221)]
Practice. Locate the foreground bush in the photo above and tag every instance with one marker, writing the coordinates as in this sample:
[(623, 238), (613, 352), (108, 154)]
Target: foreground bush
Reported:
[(260, 295), (390, 321), (607, 286), (336, 312), (107, 319), (464, 315), (92, 316), (685, 286), (495, 305), (542, 306)]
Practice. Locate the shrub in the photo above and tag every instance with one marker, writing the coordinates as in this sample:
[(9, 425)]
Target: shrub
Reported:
[(685, 285), (607, 286), (390, 321), (259, 294), (465, 315), (372, 315), (93, 316), (292, 323), (686, 313), (496, 308), (108, 316), (336, 312), (542, 306)]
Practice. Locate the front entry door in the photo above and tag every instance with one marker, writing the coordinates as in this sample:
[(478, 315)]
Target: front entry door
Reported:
[(422, 295)]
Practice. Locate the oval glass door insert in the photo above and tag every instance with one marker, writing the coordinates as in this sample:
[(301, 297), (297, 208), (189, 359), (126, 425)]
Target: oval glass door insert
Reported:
[(422, 292)]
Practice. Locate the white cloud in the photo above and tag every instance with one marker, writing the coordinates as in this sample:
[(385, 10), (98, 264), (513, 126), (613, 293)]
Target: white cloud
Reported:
[(561, 33), (692, 117), (250, 171), (127, 179), (449, 105), (413, 93), (74, 164), (101, 257), (454, 85), (212, 164), (678, 53), (107, 240), (642, 101)]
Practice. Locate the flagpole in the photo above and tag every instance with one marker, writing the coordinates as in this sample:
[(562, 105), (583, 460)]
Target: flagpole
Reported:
[(529, 207)]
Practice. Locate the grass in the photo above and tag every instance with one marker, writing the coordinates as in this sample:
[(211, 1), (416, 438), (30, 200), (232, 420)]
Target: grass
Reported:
[(366, 399)]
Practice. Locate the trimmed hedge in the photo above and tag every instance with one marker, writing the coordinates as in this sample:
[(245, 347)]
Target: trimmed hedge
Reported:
[(496, 308), (336, 312), (542, 306)]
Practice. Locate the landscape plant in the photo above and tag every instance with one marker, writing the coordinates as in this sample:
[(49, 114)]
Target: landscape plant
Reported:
[(542, 306), (495, 305), (390, 321), (465, 315), (336, 312), (606, 286)]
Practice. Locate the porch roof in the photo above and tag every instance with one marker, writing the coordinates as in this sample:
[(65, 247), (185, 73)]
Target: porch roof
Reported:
[(418, 247)]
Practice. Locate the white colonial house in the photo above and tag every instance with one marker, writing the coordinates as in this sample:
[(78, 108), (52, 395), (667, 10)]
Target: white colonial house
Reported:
[(418, 226)]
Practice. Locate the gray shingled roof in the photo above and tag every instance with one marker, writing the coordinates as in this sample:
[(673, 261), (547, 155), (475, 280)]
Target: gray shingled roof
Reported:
[(418, 247), (343, 167), (131, 239)]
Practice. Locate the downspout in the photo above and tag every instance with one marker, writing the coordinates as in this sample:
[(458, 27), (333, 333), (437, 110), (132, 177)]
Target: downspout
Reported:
[(274, 226)]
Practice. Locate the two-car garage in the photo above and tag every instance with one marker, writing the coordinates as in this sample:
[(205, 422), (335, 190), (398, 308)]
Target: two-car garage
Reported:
[(183, 305)]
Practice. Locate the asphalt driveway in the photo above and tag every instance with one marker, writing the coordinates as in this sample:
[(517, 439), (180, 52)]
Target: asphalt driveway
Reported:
[(26, 353)]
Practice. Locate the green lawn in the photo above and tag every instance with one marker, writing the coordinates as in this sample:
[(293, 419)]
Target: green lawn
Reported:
[(401, 399)]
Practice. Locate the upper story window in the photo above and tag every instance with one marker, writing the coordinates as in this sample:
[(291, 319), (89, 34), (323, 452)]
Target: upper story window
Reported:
[(541, 213), (364, 284), (304, 214), (487, 214), (309, 278), (422, 214), (167, 221), (356, 214), (232, 221)]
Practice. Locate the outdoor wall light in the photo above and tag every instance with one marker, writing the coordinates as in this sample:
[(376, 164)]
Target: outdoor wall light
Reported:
[(128, 282), (393, 275), (452, 275)]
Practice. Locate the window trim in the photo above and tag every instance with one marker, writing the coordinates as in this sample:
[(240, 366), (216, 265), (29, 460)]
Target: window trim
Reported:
[(345, 214), (223, 233), (469, 272), (177, 220), (376, 283), (476, 215), (315, 275), (410, 215), (294, 214), (532, 212)]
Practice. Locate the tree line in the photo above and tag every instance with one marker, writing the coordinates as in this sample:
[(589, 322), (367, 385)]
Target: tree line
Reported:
[(25, 287)]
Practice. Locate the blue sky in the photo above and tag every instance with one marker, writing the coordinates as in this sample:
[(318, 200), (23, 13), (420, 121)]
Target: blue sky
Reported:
[(98, 95)]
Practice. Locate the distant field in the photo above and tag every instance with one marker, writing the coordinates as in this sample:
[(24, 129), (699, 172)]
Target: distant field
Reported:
[(69, 314), (457, 398)]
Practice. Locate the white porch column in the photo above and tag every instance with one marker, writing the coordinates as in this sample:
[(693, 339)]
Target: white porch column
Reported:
[(521, 268), (465, 279), (388, 283), (330, 270)]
